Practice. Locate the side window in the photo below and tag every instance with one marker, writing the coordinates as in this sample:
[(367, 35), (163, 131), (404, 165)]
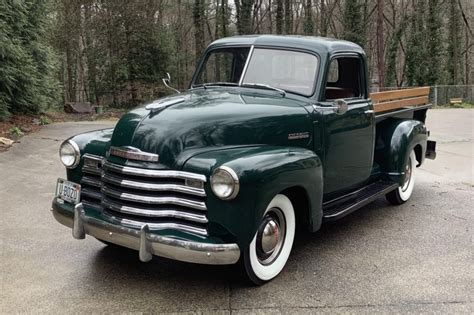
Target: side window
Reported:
[(344, 78), (333, 72)]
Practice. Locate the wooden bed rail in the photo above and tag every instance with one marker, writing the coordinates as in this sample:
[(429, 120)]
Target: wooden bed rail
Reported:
[(390, 100)]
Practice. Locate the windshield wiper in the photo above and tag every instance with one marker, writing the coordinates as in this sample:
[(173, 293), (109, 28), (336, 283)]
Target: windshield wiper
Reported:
[(251, 85), (205, 85), (265, 86)]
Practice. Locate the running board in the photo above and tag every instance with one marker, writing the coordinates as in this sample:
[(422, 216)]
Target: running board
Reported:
[(342, 206)]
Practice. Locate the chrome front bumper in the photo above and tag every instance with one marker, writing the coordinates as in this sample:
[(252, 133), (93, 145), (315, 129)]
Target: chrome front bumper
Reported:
[(146, 243)]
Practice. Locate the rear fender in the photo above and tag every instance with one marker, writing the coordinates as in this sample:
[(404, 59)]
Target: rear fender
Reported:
[(263, 171), (396, 139)]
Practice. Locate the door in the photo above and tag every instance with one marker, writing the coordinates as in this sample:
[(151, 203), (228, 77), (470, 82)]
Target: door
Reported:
[(349, 136)]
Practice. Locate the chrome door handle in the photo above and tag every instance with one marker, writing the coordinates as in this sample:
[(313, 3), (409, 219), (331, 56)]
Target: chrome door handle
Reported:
[(369, 111), (339, 106)]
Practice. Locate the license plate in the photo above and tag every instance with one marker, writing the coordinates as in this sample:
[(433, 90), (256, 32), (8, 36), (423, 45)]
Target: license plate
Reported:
[(68, 191)]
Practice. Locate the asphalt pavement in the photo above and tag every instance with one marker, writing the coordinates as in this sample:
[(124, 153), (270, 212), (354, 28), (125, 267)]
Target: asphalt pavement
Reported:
[(414, 258)]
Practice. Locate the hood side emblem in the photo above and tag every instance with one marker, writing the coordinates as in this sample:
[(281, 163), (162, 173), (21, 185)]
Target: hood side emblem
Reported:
[(164, 104), (298, 135), (131, 153)]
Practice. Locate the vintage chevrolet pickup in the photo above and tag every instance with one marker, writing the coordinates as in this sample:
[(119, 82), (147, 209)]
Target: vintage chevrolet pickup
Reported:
[(274, 133)]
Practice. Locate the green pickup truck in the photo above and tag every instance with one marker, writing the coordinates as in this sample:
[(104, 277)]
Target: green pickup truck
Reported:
[(275, 133)]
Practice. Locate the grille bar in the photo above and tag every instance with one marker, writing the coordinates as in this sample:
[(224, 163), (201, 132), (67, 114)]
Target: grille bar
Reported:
[(152, 213), (198, 205), (152, 173), (158, 226), (112, 179)]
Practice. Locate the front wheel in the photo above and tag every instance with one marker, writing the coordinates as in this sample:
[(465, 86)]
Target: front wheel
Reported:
[(270, 248), (404, 192)]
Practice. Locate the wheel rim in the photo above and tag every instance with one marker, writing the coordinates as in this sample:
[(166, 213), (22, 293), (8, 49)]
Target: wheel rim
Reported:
[(408, 172), (271, 236), (266, 267)]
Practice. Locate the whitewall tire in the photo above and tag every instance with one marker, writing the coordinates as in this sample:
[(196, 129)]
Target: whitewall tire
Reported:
[(270, 248), (404, 192)]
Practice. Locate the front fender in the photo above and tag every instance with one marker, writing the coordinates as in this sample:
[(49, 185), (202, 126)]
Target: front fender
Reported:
[(93, 142), (263, 171), (396, 140)]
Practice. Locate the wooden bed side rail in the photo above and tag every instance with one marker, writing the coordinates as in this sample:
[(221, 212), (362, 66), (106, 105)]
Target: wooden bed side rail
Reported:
[(390, 100)]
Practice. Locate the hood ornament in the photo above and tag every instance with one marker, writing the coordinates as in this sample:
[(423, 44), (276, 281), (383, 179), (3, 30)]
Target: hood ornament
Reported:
[(164, 103), (131, 153)]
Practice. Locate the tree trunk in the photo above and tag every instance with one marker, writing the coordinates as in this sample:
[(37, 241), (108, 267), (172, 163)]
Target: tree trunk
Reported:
[(308, 18), (454, 43), (69, 97), (433, 42), (279, 17), (81, 63), (244, 15), (198, 18), (323, 19), (270, 20), (91, 55), (380, 43), (288, 17)]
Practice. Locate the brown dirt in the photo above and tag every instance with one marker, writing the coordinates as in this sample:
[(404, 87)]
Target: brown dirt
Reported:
[(24, 123), (62, 116), (32, 123)]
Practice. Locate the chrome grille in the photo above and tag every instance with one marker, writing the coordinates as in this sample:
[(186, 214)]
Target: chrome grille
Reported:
[(163, 199)]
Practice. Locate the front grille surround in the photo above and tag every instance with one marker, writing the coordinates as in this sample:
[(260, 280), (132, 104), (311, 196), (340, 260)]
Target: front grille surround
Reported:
[(133, 197)]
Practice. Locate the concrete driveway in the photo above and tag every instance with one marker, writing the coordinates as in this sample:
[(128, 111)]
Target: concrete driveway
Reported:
[(417, 257)]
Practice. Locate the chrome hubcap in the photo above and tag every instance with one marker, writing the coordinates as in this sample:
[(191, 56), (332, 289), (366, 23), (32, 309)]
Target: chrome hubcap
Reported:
[(408, 171), (270, 236)]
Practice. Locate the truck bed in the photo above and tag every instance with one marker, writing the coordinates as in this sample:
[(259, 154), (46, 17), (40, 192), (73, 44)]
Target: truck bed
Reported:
[(401, 103)]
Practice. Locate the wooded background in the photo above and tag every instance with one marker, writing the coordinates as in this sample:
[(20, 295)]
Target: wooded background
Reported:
[(115, 52)]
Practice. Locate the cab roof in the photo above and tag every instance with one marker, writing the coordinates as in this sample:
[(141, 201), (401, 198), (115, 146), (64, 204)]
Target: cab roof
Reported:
[(320, 45)]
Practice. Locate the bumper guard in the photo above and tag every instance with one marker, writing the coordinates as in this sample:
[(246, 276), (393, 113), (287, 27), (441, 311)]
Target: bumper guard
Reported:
[(146, 243)]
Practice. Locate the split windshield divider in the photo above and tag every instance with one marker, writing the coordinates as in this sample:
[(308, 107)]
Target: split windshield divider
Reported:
[(246, 65)]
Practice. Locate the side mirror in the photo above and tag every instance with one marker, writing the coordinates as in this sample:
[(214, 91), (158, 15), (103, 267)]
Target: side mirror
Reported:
[(167, 80), (340, 106)]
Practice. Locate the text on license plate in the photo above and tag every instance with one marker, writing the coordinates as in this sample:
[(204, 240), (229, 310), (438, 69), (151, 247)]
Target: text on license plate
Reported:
[(68, 191)]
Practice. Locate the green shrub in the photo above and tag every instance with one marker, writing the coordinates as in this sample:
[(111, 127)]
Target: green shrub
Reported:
[(44, 120), (28, 82), (16, 132)]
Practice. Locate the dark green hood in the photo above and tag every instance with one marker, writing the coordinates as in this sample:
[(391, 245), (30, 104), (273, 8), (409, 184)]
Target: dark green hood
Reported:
[(213, 118)]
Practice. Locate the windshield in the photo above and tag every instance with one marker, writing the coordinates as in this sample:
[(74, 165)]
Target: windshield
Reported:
[(291, 71), (223, 65)]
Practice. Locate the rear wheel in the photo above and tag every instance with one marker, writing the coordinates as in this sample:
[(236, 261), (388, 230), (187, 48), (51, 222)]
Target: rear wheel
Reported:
[(404, 192), (270, 248)]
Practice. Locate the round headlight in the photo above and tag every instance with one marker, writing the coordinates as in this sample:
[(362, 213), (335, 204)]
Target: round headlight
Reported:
[(69, 154), (225, 183)]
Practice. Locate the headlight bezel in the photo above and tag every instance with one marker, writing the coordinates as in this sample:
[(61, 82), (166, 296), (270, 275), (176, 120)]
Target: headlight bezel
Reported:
[(77, 154), (234, 179)]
